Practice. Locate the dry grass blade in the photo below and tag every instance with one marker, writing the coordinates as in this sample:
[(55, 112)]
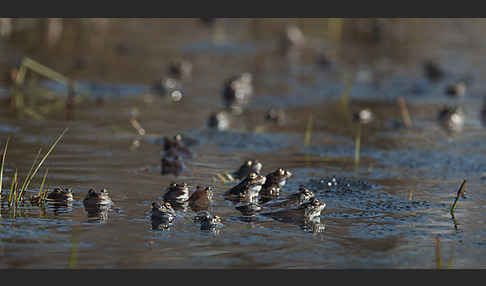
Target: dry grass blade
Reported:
[(45, 71), (459, 193), (3, 163), (410, 194), (221, 177), (404, 111)]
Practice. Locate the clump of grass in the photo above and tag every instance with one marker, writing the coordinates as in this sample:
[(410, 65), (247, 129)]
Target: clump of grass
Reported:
[(460, 192), (16, 193)]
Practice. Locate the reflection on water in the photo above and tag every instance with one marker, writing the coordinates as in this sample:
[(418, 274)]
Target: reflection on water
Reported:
[(370, 220)]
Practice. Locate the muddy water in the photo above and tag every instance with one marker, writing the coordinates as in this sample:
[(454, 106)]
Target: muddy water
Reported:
[(385, 213)]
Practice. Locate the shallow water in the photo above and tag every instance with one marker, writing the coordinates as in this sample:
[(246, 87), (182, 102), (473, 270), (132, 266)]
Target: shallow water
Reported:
[(390, 221)]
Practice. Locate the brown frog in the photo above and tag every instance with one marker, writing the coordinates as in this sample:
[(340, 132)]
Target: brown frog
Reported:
[(208, 221), (177, 193), (176, 146), (201, 198), (302, 213), (60, 195), (451, 119), (274, 183), (168, 87), (97, 205), (433, 71), (163, 212), (275, 115), (248, 167), (248, 189), (180, 69), (302, 196), (219, 120), (456, 90), (94, 199), (291, 38), (237, 91), (172, 165), (162, 215)]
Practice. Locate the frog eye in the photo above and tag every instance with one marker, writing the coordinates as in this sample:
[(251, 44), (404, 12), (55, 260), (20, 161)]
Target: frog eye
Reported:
[(281, 171), (253, 176)]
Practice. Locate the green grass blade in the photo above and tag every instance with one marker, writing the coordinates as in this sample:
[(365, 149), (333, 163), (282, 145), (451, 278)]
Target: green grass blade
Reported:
[(308, 131), (43, 181), (28, 175), (44, 158), (12, 188), (357, 143), (3, 163)]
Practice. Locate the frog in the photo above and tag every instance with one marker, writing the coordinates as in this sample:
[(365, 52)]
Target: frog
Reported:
[(248, 189), (162, 215), (180, 69), (172, 165), (96, 199), (274, 183), (275, 115), (246, 168), (208, 221), (176, 146), (60, 195), (457, 89), (301, 214), (451, 119), (291, 38), (433, 71), (201, 198), (163, 212), (97, 205), (219, 120), (237, 91), (177, 193), (168, 87), (57, 196), (303, 195)]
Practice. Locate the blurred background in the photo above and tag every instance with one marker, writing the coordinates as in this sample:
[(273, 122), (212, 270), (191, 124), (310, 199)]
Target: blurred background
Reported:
[(137, 50)]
